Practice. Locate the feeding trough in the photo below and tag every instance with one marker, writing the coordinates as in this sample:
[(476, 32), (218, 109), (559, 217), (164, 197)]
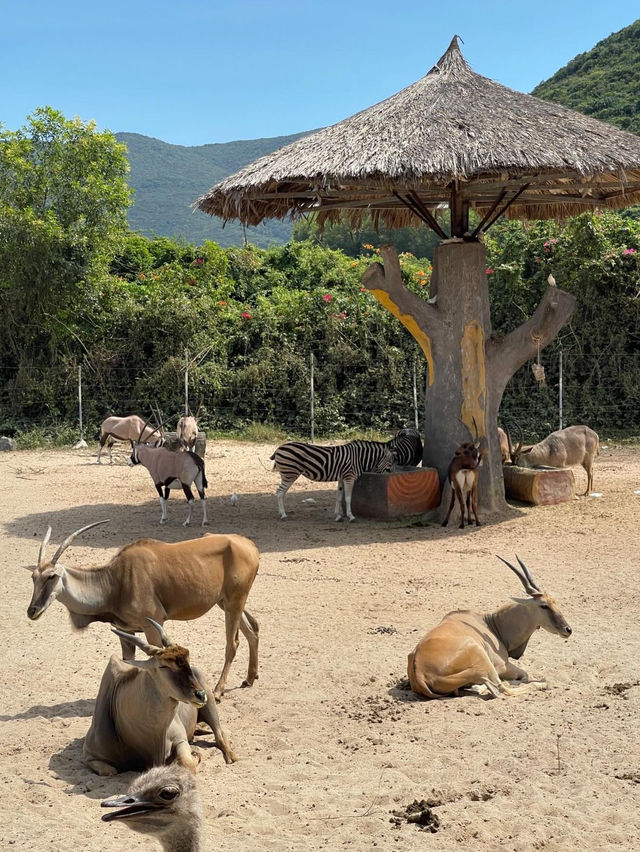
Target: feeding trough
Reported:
[(542, 486), (389, 496)]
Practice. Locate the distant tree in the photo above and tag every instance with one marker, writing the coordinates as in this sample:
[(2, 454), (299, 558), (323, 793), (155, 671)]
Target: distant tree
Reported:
[(420, 241), (63, 201)]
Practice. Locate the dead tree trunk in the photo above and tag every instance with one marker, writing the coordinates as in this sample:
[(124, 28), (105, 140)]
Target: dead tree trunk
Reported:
[(468, 366)]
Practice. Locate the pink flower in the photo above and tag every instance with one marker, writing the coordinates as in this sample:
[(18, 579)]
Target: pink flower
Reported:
[(245, 315), (327, 297), (629, 251), (488, 271), (199, 261)]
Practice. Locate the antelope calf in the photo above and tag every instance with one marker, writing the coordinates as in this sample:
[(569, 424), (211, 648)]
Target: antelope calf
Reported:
[(563, 448), (463, 478), (468, 648), (165, 581)]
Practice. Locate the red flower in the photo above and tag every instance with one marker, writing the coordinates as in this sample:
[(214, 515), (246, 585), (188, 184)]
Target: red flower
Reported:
[(245, 315), (199, 261), (489, 271), (192, 282), (327, 297)]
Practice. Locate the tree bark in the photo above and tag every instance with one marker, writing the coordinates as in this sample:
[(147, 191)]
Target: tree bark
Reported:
[(468, 367)]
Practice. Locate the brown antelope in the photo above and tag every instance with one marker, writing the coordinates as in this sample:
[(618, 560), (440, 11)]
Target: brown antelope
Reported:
[(146, 711), (469, 648), (187, 432), (131, 428), (563, 448), (463, 478), (504, 446), (165, 581)]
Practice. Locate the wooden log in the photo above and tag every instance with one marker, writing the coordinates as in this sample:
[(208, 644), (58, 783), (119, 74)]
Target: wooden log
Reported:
[(542, 486), (389, 496)]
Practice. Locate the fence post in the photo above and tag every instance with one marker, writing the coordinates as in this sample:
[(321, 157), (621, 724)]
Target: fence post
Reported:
[(415, 394), (312, 412), (560, 387), (81, 443), (186, 382)]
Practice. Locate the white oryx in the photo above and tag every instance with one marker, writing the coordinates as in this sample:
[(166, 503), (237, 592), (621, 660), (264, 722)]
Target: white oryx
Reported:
[(187, 432), (131, 428)]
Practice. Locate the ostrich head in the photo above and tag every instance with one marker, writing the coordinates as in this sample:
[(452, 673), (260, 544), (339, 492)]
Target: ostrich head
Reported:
[(163, 802)]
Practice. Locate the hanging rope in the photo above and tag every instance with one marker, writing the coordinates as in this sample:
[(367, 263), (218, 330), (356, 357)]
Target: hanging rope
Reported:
[(537, 368)]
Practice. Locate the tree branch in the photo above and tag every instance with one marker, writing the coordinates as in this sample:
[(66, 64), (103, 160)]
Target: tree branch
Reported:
[(399, 299), (507, 354)]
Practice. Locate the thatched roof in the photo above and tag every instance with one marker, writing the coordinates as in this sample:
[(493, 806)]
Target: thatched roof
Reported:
[(451, 126)]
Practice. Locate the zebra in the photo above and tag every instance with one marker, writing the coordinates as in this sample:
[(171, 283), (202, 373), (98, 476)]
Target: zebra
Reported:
[(406, 446), (342, 462)]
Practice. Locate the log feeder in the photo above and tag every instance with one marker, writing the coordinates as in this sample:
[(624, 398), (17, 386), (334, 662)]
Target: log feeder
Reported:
[(390, 496), (543, 486)]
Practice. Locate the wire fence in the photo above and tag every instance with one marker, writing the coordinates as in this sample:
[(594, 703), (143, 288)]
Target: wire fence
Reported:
[(310, 404)]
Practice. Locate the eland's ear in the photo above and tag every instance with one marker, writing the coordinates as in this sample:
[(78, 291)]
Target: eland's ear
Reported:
[(528, 450)]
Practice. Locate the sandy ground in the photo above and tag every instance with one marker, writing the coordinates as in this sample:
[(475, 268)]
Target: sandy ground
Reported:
[(330, 740)]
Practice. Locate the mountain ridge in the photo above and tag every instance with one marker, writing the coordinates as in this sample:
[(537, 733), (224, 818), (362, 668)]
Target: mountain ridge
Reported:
[(603, 82)]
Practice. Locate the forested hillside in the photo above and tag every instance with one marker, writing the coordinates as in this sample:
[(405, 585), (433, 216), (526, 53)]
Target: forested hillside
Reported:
[(166, 179), (603, 83)]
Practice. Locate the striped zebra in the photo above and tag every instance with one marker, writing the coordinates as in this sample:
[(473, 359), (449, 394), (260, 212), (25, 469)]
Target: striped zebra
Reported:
[(406, 446), (342, 462)]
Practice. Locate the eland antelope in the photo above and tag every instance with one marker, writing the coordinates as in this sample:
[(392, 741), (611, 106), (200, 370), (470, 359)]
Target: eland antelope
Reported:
[(470, 648)]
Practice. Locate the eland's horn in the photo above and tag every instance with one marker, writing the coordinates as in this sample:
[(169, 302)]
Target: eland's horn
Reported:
[(163, 634), (530, 588), (45, 542), (65, 544), (528, 574), (138, 641)]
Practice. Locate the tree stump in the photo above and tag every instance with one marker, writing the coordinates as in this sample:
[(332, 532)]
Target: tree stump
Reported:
[(400, 494), (542, 486)]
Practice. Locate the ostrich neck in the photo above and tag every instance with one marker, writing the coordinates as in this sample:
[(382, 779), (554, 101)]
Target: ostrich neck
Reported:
[(183, 838)]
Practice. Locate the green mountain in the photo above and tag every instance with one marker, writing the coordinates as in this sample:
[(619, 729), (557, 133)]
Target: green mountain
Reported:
[(603, 83), (166, 179)]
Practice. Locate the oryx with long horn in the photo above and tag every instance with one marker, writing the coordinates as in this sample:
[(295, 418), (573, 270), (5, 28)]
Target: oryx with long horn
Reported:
[(168, 469)]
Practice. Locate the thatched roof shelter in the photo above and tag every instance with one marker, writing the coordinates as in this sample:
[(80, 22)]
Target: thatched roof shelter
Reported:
[(455, 137)]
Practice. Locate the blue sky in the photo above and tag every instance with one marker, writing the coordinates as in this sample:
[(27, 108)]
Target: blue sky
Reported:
[(192, 72)]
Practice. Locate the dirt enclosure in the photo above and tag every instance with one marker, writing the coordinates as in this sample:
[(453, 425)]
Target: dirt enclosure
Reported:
[(330, 740)]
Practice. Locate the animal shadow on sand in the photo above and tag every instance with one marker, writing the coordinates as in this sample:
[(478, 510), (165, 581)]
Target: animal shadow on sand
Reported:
[(403, 693), (255, 517), (68, 765), (81, 707)]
